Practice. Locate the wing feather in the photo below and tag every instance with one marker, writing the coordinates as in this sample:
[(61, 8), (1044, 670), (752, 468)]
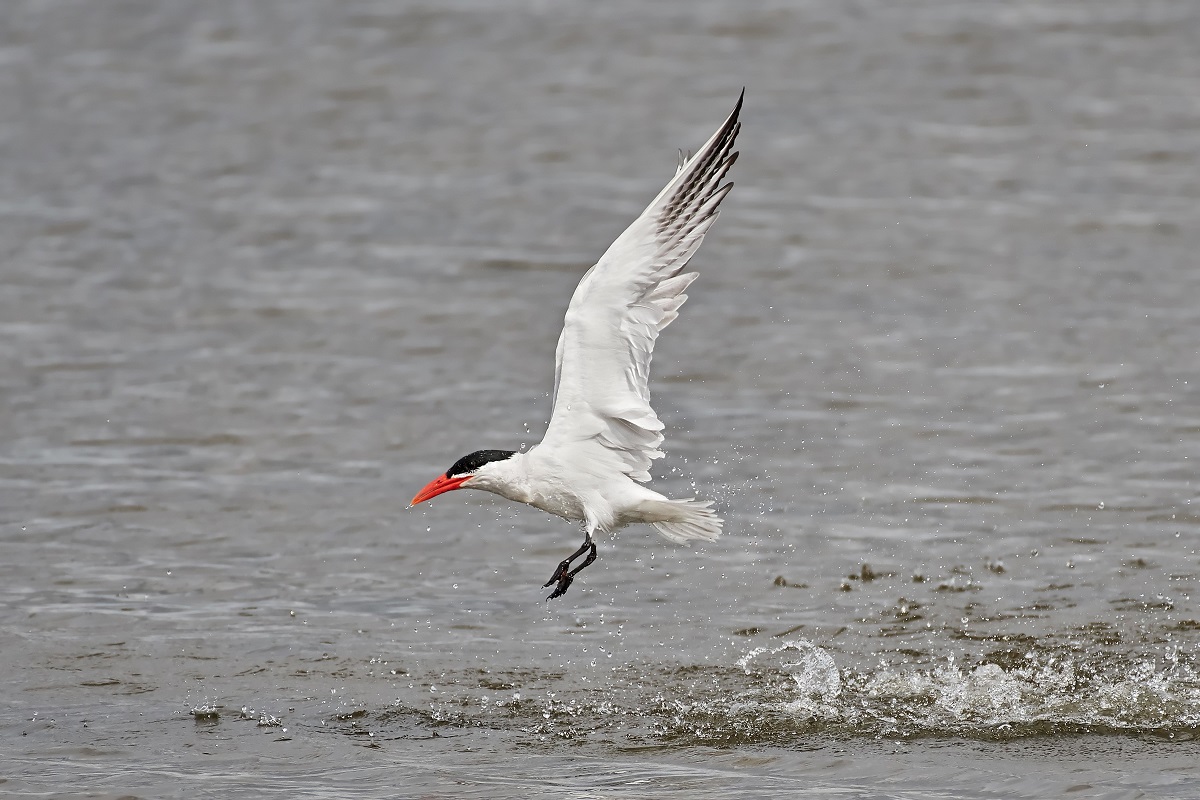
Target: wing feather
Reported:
[(602, 372)]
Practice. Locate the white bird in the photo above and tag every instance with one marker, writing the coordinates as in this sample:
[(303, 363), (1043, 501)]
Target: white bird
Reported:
[(603, 434)]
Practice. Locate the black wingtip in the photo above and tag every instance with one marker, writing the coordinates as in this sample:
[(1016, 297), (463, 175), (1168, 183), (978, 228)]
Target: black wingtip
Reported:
[(732, 119)]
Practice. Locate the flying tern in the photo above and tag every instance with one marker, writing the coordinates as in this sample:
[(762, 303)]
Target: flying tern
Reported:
[(591, 465)]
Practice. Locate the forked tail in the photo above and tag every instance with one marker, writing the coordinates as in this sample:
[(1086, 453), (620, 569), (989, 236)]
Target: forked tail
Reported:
[(684, 520)]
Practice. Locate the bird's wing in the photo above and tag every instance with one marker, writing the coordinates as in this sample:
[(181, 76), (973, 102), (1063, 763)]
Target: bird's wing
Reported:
[(601, 380)]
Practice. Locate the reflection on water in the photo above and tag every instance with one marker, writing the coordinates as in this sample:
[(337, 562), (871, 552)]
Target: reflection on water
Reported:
[(265, 266)]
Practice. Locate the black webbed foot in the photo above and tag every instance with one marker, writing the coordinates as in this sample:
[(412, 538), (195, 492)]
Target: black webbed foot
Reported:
[(559, 573), (564, 575), (564, 583)]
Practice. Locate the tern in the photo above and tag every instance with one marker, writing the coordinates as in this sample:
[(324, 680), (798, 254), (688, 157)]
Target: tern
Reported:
[(591, 465)]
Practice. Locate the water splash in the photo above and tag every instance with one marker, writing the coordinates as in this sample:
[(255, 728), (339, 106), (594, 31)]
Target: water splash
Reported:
[(818, 682), (778, 695)]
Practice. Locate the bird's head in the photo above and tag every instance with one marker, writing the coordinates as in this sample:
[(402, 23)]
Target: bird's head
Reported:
[(465, 470)]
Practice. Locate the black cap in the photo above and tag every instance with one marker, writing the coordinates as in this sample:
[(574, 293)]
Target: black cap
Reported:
[(468, 464)]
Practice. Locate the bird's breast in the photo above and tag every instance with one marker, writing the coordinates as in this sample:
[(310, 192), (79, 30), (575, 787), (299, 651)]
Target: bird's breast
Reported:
[(557, 501)]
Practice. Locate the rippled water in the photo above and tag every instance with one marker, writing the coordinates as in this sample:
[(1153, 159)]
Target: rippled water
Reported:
[(268, 268)]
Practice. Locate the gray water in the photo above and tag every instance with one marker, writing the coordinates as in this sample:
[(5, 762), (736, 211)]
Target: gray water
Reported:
[(269, 267)]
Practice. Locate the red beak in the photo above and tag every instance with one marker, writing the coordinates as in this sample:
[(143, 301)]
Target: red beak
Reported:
[(439, 485)]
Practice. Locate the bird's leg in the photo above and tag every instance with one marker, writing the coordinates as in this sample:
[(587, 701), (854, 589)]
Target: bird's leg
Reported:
[(564, 575), (591, 557), (565, 565)]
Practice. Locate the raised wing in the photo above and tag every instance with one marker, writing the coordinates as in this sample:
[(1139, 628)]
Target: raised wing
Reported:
[(601, 381)]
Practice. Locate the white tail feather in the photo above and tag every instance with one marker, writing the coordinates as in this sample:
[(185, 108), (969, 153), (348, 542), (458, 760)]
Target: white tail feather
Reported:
[(684, 520)]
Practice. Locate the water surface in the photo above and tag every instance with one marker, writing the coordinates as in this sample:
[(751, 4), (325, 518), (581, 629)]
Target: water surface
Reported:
[(268, 268)]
